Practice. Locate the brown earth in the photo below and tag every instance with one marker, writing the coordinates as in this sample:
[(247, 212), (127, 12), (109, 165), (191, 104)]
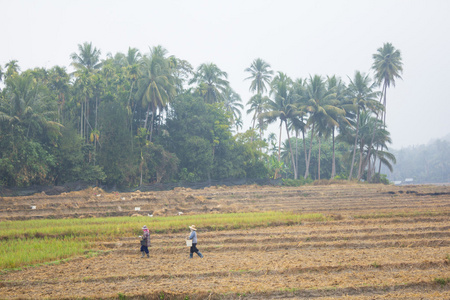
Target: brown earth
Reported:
[(400, 256)]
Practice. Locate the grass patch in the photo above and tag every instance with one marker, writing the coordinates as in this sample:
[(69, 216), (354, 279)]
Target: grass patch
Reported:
[(375, 265), (442, 281), (25, 243), (18, 252)]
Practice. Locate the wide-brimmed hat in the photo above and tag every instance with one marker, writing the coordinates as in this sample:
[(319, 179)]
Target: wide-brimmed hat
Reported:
[(144, 227), (192, 227)]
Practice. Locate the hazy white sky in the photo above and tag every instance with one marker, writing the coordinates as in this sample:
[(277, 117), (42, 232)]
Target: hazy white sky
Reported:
[(299, 38)]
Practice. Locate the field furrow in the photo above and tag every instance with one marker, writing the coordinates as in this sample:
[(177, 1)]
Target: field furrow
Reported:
[(374, 242)]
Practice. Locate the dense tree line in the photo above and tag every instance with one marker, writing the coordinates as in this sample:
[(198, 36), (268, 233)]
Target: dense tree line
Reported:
[(132, 118)]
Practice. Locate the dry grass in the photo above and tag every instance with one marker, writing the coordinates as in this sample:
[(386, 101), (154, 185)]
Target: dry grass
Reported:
[(384, 242)]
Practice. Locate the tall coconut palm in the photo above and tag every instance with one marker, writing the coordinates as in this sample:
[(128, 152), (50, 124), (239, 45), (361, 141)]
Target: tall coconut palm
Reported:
[(260, 74), (232, 104), (258, 104), (336, 86), (133, 56), (84, 91), (28, 107), (87, 63), (361, 96), (387, 66), (369, 142), (156, 86), (299, 124), (282, 108), (212, 82), (321, 105), (12, 68), (181, 70), (238, 124), (87, 58), (59, 83)]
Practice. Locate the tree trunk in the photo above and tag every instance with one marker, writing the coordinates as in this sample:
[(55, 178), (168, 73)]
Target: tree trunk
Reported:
[(375, 127), (81, 120), (333, 164), (151, 125), (296, 151), (309, 155), (131, 115), (304, 148), (290, 148), (146, 116), (318, 162), (354, 147), (361, 149), (279, 151)]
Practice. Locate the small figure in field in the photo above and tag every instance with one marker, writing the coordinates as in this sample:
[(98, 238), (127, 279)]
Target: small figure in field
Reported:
[(145, 241), (193, 237)]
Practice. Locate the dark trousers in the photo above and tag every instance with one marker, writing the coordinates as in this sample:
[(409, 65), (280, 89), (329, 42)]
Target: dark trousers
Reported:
[(194, 248), (144, 249)]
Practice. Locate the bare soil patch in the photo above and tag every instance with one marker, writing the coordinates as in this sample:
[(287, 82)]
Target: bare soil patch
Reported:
[(384, 242)]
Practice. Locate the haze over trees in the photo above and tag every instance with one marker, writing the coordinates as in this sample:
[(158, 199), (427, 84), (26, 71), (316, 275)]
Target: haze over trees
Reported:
[(134, 118)]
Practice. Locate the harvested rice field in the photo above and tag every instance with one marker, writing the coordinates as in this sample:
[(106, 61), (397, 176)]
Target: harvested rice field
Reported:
[(375, 242)]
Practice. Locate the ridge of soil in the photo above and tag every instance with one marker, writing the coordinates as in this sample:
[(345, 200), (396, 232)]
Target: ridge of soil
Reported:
[(383, 242)]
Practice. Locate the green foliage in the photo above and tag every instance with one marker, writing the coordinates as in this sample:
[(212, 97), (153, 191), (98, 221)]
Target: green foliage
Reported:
[(375, 265), (442, 280), (199, 134), (114, 152), (379, 178), (130, 119), (298, 182), (72, 159)]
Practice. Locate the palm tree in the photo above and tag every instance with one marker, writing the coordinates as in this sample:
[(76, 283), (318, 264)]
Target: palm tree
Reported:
[(87, 58), (361, 96), (156, 86), (370, 142), (212, 82), (181, 70), (260, 75), (299, 124), (12, 68), (387, 66), (238, 124), (59, 82), (87, 63), (336, 86), (84, 91), (133, 56), (284, 108), (232, 104), (258, 105), (28, 108), (321, 106)]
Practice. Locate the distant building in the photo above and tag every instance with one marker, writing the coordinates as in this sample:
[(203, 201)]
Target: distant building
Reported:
[(409, 180)]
